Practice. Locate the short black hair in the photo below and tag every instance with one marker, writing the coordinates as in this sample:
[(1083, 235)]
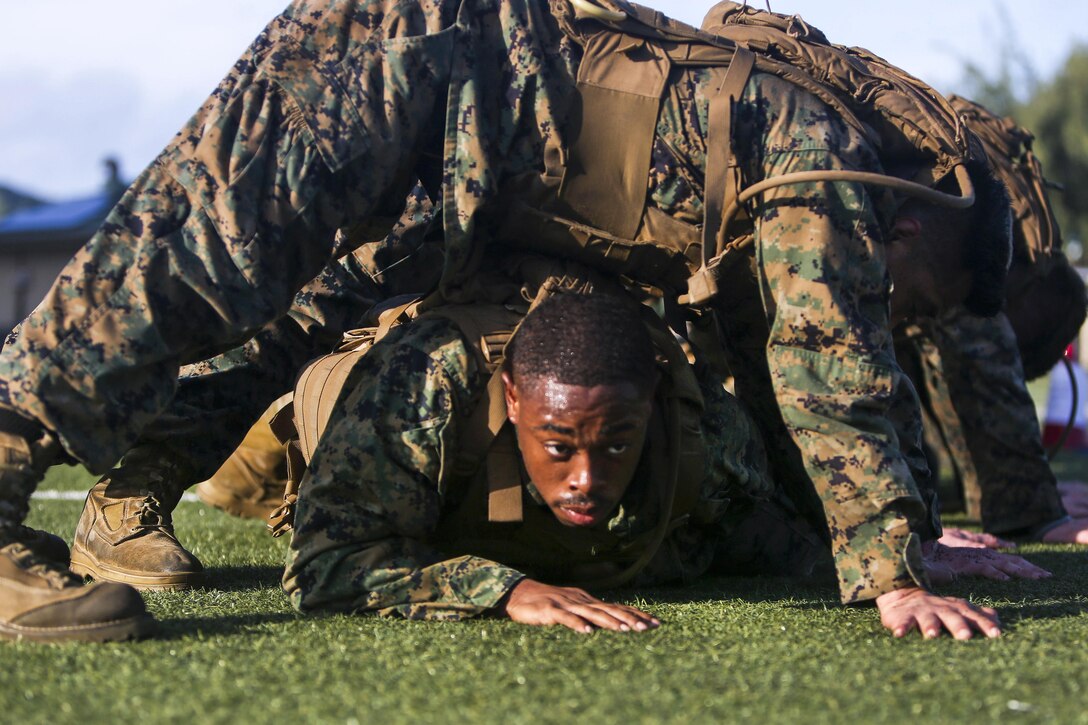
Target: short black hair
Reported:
[(988, 251), (583, 339)]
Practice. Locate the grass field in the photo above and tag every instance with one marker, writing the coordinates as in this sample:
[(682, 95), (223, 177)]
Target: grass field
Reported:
[(729, 650)]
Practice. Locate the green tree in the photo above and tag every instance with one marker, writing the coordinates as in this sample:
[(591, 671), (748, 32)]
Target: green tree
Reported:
[(1057, 113)]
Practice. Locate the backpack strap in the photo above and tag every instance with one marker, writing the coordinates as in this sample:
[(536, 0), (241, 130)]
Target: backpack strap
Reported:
[(504, 489), (721, 182)]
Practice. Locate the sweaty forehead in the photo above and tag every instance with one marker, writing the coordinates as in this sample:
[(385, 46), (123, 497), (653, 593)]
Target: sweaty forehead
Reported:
[(548, 398)]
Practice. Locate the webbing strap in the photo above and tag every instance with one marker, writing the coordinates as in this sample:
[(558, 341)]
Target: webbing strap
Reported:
[(703, 285), (282, 520), (481, 426), (504, 488), (390, 317), (720, 146)]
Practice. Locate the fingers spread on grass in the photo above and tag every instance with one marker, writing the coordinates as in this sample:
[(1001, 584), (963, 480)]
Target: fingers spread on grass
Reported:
[(532, 602), (985, 563), (903, 609)]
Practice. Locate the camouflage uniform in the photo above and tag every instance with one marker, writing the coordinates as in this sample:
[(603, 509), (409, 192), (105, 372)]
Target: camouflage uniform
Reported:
[(973, 388), (219, 399), (325, 123), (971, 371), (385, 522), (805, 323)]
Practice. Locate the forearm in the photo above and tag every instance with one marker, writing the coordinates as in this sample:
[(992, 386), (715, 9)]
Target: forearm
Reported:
[(394, 577), (834, 373), (850, 453)]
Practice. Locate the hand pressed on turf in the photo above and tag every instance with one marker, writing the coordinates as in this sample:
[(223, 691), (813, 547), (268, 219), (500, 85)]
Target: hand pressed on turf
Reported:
[(532, 602), (946, 563), (973, 539), (906, 609)]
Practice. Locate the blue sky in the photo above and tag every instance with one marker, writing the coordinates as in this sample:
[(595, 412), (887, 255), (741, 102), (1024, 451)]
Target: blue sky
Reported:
[(83, 80)]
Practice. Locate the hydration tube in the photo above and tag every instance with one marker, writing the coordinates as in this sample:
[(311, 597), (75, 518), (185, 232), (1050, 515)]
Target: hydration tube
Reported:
[(963, 200), (1072, 410), (593, 10)]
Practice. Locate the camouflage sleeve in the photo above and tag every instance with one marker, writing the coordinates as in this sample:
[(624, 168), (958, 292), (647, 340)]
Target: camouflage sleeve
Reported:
[(826, 287), (987, 400), (375, 489)]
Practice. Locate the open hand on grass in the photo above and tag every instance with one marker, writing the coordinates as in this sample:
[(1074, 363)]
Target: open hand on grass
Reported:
[(973, 539), (906, 609), (946, 563), (532, 602)]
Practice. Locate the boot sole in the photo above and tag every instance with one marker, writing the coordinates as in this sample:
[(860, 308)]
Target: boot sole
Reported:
[(234, 506), (117, 630), (85, 566)]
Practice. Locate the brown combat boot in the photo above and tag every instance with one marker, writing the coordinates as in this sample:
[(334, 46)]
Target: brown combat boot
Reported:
[(42, 601), (251, 482), (39, 599), (126, 531)]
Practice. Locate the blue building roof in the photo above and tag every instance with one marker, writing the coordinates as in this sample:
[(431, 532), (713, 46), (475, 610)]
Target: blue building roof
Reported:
[(54, 217), (66, 224)]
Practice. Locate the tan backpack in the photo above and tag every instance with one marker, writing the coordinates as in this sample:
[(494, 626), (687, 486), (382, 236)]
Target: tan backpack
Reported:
[(590, 202), (1036, 235)]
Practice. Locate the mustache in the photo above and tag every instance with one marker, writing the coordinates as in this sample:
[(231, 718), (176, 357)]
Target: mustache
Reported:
[(578, 500)]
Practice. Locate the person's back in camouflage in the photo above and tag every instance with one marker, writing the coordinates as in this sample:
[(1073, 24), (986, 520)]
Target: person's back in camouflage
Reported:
[(97, 362)]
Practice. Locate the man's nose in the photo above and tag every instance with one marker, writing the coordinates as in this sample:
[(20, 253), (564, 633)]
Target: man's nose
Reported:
[(587, 473)]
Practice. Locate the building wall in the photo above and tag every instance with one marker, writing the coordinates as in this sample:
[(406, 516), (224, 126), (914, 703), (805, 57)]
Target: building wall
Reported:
[(25, 277)]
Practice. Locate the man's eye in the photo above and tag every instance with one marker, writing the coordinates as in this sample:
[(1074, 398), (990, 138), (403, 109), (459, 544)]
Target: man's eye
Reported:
[(559, 450), (617, 448)]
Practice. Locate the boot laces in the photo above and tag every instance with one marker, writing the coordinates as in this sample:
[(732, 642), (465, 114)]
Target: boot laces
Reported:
[(57, 576), (149, 515)]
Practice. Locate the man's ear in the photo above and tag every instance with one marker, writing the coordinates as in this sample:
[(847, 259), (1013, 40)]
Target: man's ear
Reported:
[(906, 227), (510, 393)]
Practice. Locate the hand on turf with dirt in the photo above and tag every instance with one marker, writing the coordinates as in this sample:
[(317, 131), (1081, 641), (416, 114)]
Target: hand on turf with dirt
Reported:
[(539, 604), (904, 610), (946, 563), (973, 540)]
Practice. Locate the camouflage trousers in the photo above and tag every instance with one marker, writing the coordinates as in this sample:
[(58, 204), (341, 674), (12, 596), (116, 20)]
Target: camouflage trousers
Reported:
[(973, 390), (321, 125)]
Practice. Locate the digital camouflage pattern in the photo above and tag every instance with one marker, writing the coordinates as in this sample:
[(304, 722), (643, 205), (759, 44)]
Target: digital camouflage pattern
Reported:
[(805, 321), (219, 399), (969, 370), (326, 122), (382, 510)]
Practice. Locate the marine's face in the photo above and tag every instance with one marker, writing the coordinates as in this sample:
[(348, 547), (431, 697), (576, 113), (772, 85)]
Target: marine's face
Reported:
[(927, 270), (580, 444)]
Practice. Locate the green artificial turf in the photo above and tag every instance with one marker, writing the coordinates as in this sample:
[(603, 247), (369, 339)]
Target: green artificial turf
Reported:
[(729, 650)]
